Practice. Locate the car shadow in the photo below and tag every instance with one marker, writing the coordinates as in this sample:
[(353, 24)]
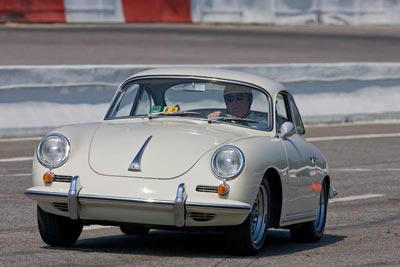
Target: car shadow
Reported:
[(190, 244)]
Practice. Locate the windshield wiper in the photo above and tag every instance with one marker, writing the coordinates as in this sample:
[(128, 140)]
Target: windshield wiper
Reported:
[(231, 119), (180, 114)]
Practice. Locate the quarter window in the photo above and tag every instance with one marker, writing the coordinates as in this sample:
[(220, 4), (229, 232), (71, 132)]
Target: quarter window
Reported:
[(144, 104), (282, 114), (297, 118), (127, 99)]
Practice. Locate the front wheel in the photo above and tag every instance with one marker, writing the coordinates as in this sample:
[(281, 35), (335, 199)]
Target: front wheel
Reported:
[(58, 230), (248, 238), (313, 231)]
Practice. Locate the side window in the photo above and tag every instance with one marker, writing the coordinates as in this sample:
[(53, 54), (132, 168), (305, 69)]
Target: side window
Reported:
[(282, 114), (297, 118)]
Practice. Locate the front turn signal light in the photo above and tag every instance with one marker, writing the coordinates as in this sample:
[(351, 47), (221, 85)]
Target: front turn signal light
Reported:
[(48, 177), (223, 189)]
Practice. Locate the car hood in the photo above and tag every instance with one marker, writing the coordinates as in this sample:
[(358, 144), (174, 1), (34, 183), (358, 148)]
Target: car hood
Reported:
[(173, 149)]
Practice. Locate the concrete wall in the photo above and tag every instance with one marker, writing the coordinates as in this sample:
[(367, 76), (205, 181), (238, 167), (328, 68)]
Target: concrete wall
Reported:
[(34, 99), (338, 12)]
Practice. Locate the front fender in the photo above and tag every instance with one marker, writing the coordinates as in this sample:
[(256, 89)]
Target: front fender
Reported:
[(80, 137), (261, 153)]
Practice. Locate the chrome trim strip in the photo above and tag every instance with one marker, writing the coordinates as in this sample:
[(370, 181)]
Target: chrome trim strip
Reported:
[(310, 216), (73, 204), (62, 178), (179, 206), (207, 189), (135, 164), (232, 207), (33, 193), (124, 200)]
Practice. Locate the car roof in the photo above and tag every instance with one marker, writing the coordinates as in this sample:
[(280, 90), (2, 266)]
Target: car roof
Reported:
[(269, 85)]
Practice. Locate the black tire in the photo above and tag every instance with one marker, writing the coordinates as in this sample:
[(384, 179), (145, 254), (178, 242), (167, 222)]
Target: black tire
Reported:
[(248, 238), (131, 230), (310, 232), (58, 230)]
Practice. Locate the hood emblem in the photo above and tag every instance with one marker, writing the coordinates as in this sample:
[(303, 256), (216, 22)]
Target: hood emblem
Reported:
[(135, 165)]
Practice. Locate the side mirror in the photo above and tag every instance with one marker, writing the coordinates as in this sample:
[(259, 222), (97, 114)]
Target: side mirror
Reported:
[(287, 130)]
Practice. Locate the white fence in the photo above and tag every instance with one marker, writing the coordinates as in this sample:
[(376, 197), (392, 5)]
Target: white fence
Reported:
[(339, 12), (94, 11), (280, 12)]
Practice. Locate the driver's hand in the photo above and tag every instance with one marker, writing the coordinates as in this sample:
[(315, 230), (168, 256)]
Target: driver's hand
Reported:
[(214, 114)]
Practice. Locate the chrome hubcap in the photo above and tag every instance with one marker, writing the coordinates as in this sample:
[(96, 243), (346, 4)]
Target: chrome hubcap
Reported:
[(259, 217)]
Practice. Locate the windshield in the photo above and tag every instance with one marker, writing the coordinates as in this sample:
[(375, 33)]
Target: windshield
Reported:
[(215, 101)]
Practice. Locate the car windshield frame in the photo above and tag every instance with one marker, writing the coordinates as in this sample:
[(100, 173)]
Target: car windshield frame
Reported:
[(119, 95)]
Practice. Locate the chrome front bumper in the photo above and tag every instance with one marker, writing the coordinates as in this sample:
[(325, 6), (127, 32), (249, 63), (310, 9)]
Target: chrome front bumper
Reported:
[(179, 205), (73, 203)]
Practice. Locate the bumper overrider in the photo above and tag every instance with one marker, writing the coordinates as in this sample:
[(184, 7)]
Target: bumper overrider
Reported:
[(181, 211)]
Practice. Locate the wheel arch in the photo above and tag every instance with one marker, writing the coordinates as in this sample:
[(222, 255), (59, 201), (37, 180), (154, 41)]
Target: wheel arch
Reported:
[(275, 183), (328, 182)]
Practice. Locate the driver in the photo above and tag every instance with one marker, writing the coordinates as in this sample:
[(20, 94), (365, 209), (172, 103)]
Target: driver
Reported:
[(238, 100)]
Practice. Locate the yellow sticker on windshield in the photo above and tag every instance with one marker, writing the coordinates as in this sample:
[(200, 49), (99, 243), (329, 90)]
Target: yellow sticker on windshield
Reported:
[(171, 109)]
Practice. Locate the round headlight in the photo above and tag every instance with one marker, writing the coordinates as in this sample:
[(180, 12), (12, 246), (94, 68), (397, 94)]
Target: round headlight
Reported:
[(227, 162), (53, 150)]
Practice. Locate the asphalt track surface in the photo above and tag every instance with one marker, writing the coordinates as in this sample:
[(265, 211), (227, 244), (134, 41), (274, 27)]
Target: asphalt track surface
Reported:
[(195, 44), (364, 161)]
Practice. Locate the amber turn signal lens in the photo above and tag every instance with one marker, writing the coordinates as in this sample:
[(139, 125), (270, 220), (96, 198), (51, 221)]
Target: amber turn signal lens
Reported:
[(48, 177), (223, 189)]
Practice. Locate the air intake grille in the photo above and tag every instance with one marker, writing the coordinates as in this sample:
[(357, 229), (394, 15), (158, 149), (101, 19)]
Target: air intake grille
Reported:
[(61, 206), (201, 217), (207, 189), (62, 178)]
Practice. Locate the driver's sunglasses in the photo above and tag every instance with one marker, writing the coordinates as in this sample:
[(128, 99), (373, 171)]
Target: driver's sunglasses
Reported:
[(231, 97)]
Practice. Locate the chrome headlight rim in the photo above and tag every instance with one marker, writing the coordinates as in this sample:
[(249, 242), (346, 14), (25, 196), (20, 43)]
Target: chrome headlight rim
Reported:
[(239, 170), (65, 157)]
